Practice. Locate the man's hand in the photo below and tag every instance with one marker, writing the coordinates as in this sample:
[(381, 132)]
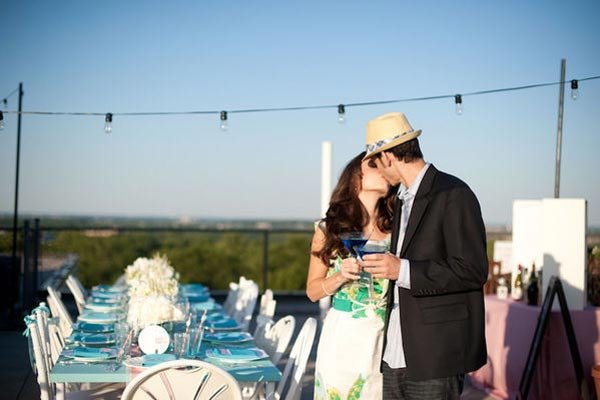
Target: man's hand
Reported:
[(384, 265)]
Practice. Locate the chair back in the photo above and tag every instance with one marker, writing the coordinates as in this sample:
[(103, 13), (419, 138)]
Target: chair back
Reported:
[(231, 299), (290, 386), (77, 290), (267, 304), (246, 301), (40, 358), (183, 379), (59, 310), (277, 337)]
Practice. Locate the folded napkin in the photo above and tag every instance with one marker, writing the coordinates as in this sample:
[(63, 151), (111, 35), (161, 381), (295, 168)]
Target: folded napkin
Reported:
[(208, 305), (96, 328), (96, 339), (90, 352), (197, 297), (236, 354), (222, 324), (227, 337)]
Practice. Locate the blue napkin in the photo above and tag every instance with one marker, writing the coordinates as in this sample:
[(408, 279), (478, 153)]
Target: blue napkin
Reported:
[(96, 328), (90, 352), (96, 339), (231, 337), (197, 297), (236, 354), (227, 323)]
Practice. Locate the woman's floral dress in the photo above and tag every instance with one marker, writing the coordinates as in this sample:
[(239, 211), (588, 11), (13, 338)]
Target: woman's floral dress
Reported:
[(350, 346)]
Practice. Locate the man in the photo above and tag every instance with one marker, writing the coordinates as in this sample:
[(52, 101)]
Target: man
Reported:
[(437, 267)]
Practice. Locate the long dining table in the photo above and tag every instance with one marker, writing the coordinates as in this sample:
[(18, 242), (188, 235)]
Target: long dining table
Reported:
[(70, 369)]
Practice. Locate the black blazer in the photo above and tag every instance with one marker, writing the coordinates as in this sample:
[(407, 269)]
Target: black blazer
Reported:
[(442, 315)]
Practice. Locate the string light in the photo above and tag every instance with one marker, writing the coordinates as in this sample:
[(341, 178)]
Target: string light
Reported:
[(108, 123), (340, 107), (341, 113), (574, 89), (1, 120), (5, 102), (458, 103), (224, 125)]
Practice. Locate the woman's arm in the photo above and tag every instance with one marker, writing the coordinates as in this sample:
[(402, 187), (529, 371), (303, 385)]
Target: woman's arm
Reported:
[(318, 285)]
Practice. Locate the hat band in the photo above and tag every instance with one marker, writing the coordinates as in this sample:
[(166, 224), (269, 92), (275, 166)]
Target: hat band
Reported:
[(373, 147)]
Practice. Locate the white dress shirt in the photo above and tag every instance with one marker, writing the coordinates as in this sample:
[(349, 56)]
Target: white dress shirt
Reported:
[(393, 353)]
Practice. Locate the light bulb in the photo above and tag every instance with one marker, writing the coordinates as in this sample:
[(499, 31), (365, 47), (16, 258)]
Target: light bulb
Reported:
[(108, 123), (458, 103), (574, 89), (341, 114), (224, 126)]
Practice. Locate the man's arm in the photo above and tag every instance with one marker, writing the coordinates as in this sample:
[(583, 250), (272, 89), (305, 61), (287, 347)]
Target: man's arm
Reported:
[(465, 266)]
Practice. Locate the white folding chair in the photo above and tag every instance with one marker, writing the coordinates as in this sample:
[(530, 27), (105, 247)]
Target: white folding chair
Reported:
[(42, 364), (77, 290), (290, 385), (273, 338), (246, 301), (277, 338), (59, 310), (267, 304), (231, 299), (39, 361), (183, 379)]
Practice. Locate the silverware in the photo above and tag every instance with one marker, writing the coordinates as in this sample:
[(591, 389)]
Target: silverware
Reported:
[(71, 362)]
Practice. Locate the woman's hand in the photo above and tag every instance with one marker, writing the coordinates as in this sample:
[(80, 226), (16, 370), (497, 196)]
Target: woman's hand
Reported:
[(349, 269)]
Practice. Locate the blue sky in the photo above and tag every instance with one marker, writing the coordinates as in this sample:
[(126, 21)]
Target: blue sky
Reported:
[(172, 56)]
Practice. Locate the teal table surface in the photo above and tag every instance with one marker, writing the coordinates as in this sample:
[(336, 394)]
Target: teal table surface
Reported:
[(67, 371)]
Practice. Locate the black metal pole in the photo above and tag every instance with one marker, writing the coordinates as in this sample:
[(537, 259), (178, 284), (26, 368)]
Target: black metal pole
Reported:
[(36, 256), (538, 336), (572, 340), (26, 273), (16, 213)]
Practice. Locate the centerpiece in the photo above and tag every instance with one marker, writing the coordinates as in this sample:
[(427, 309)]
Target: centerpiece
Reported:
[(153, 290)]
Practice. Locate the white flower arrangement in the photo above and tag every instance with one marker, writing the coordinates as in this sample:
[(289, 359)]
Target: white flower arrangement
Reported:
[(153, 288)]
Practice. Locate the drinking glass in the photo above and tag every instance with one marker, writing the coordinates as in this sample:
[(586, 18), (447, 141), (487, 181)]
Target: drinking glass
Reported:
[(121, 330), (354, 242), (195, 340), (180, 342), (366, 278)]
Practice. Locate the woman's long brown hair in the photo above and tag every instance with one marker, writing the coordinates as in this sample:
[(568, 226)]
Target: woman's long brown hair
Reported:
[(346, 212)]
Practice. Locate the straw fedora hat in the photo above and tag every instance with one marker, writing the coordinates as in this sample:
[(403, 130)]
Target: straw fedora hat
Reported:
[(386, 131)]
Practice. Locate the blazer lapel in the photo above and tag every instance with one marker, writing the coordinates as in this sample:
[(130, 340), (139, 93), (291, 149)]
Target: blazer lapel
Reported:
[(419, 206), (396, 225)]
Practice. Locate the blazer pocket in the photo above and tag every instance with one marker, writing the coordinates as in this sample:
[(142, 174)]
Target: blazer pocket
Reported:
[(445, 313)]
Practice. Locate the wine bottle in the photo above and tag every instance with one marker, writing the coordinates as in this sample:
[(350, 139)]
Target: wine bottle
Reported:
[(532, 288), (517, 292)]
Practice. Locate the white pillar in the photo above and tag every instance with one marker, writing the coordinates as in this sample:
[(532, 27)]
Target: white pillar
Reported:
[(326, 150), (325, 176)]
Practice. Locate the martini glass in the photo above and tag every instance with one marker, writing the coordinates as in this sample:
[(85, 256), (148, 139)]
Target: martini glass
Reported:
[(365, 277), (355, 243)]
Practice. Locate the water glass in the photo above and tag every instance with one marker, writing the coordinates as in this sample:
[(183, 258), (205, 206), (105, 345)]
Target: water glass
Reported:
[(121, 331), (195, 340), (180, 344)]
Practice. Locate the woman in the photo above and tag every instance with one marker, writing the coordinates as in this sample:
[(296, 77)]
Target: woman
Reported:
[(349, 353)]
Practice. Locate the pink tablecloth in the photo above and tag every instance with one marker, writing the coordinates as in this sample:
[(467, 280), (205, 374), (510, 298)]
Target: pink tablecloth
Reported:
[(509, 329)]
